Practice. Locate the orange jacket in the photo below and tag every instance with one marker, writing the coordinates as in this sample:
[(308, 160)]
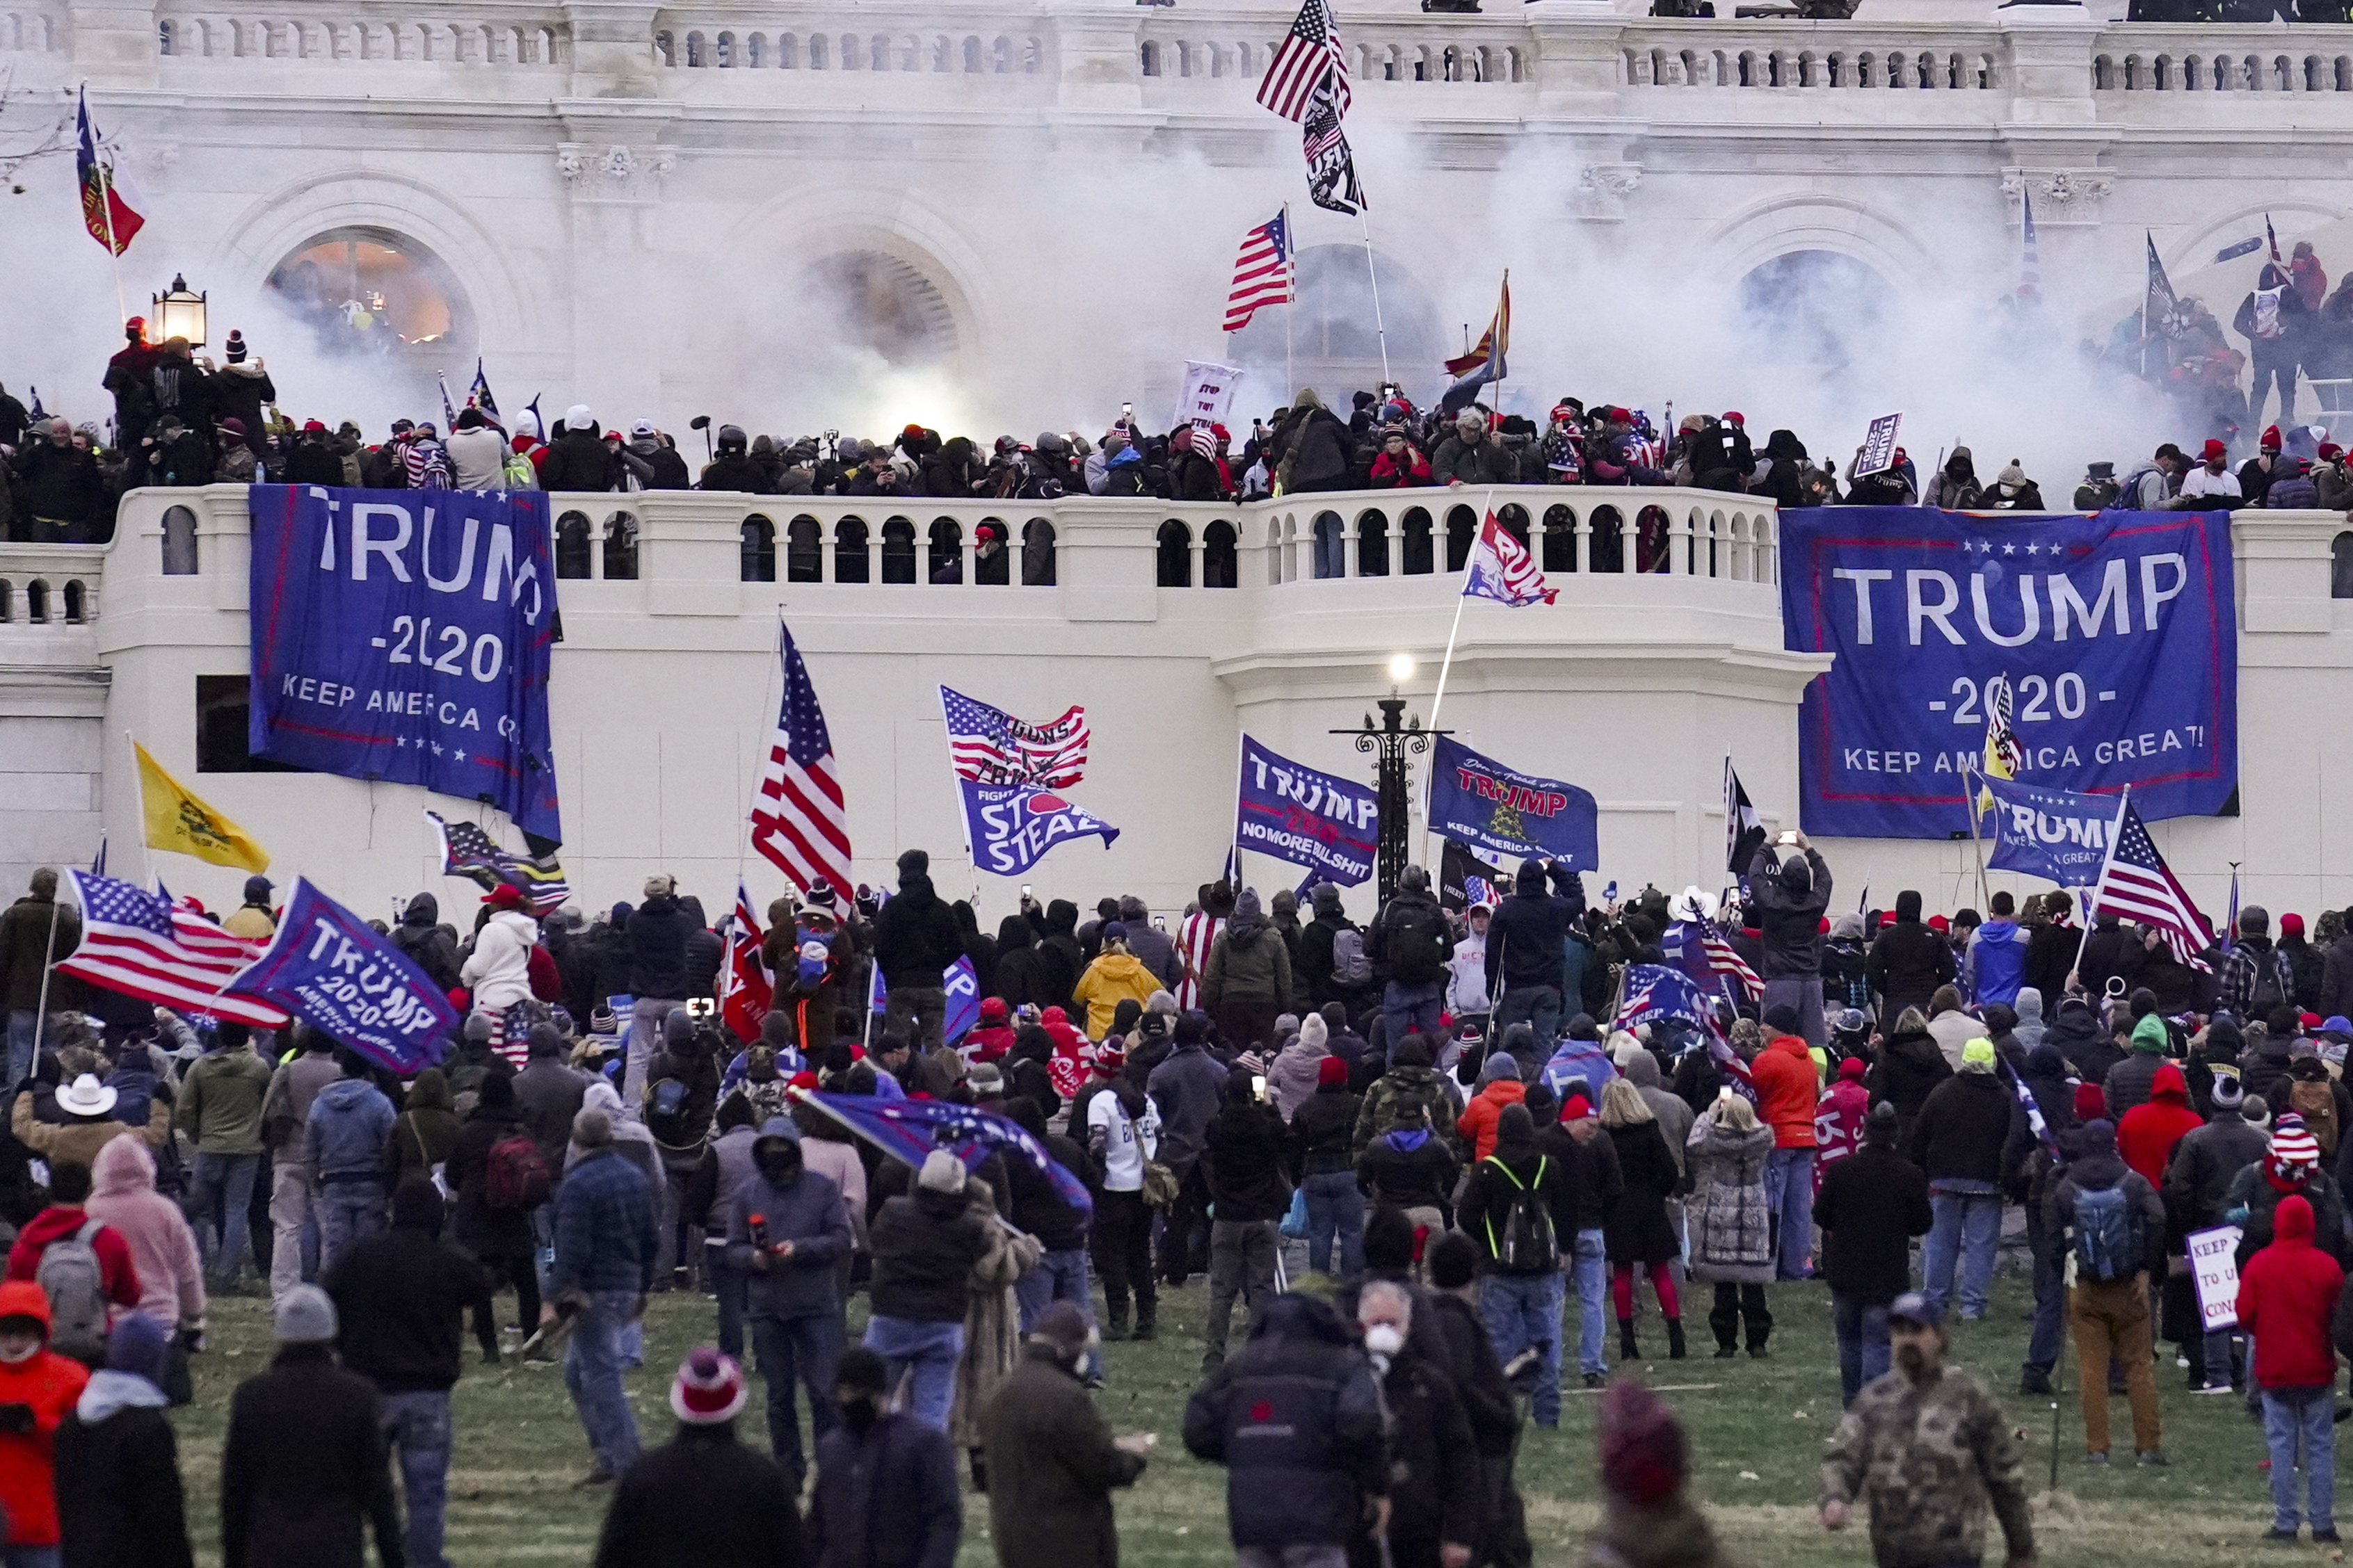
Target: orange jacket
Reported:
[(1477, 1122), (51, 1383), (1788, 1090)]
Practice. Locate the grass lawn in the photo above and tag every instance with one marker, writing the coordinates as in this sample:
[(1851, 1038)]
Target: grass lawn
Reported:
[(1757, 1430)]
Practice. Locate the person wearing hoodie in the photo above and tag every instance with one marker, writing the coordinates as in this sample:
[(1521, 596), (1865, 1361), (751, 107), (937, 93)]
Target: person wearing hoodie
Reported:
[(1323, 1130), (220, 1109), (2127, 1084), (787, 1230), (2287, 1301), (343, 1143), (400, 1301), (1958, 1144), (294, 1088), (1995, 965), (1153, 947), (2148, 1134), (1247, 1194), (1500, 1086), (1523, 947), (424, 1133), (2115, 1221), (2197, 1182), (1409, 1078), (925, 1245), (2027, 1009), (1789, 1091), (38, 1390), (1952, 1025), (1291, 1076), (1411, 945), (1870, 1206), (1523, 1265), (163, 1247), (1249, 979), (478, 453), (915, 940), (421, 935), (62, 1220), (2051, 941), (119, 1501), (1116, 976), (498, 1238), (656, 940), (2076, 1034), (1909, 1069), (1789, 892), (1908, 962), (2256, 977)]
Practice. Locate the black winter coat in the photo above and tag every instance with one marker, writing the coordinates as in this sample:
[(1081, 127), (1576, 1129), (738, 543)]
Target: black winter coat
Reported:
[(1486, 1393), (700, 1500), (925, 1246), (1636, 1229), (1435, 1494), (1244, 1146), (915, 936), (314, 462), (1909, 1069), (400, 1298), (885, 1498), (1524, 937), (1872, 1204), (2110, 949), (579, 460), (1323, 1131), (1907, 963), (657, 935), (305, 1467), (1962, 1129), (119, 1500), (1315, 443), (479, 1228), (1791, 922)]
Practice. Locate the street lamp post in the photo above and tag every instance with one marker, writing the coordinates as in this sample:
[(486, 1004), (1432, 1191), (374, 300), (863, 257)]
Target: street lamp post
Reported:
[(1389, 743)]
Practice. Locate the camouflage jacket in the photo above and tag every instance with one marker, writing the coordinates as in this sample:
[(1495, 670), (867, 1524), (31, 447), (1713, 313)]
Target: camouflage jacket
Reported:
[(1929, 1462)]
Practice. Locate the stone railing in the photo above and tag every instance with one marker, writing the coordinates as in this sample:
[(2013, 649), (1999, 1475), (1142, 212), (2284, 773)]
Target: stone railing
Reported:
[(1817, 54), (367, 33), (1179, 45), (50, 585), (2142, 57), (925, 43)]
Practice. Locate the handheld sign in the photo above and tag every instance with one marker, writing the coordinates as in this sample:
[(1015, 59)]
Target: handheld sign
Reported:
[(2214, 1270), (1878, 447)]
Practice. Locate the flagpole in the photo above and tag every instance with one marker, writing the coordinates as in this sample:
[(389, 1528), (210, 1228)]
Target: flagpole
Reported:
[(964, 822), (1241, 746), (2092, 915), (105, 204), (1503, 330), (1977, 845), (1381, 331), (1445, 666), (1290, 304), (816, 1102), (743, 829)]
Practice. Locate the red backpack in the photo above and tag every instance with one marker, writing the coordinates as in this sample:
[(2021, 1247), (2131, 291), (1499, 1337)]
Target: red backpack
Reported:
[(515, 1176)]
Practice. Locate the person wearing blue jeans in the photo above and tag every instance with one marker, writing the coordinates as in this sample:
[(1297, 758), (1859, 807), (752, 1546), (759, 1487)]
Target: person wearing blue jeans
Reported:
[(786, 1229), (605, 1247), (417, 1427), (1412, 1009), (1520, 1207), (1592, 1271), (1863, 1346), (1336, 1213), (2299, 1425), (1058, 1276), (1872, 1202), (1537, 1006), (594, 1359), (1789, 1198), (1967, 1227), (925, 1245), (2045, 1338), (1522, 1311), (226, 1181)]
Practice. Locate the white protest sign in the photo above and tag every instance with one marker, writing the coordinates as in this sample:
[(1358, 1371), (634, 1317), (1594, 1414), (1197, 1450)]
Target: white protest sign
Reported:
[(1208, 394), (2214, 1269), (1878, 447)]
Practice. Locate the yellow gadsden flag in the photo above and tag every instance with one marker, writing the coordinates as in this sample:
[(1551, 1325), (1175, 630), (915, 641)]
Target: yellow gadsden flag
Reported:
[(178, 820)]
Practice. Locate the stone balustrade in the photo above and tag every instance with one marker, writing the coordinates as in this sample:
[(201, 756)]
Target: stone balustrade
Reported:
[(49, 587), (370, 34)]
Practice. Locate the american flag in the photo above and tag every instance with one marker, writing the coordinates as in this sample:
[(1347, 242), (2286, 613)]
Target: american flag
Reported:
[(1502, 569), (468, 850), (1308, 56), (2138, 885), (990, 746), (798, 820), (147, 945), (1331, 166), (1718, 957), (1262, 274)]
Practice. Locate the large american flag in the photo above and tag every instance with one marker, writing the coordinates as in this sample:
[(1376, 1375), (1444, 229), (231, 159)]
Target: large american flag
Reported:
[(147, 945), (798, 820), (1502, 569), (2138, 885), (1308, 54), (1262, 272), (989, 745)]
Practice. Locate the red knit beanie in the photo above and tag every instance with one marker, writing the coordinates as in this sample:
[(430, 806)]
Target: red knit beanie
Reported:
[(1641, 1447), (1330, 1069)]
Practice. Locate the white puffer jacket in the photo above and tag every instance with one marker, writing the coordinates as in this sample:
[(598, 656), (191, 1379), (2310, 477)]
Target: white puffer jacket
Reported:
[(499, 973)]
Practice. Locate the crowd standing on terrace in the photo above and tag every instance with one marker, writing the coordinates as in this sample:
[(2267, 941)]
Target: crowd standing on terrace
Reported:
[(1394, 1157), (180, 418)]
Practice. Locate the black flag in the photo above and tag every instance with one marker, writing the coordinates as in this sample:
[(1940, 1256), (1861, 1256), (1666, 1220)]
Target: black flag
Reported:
[(1744, 830)]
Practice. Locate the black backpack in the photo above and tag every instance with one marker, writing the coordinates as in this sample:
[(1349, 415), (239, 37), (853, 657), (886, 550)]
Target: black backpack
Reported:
[(1527, 1244), (2266, 993), (1415, 942)]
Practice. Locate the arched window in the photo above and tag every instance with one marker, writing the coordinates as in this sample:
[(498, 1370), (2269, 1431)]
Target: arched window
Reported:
[(1175, 556), (1220, 555), (164, 38), (374, 295), (898, 550), (1331, 546), (849, 551), (179, 542), (1462, 528), (571, 552), (1813, 308), (1418, 554), (1607, 548), (946, 550), (37, 601), (804, 551), (7, 601), (620, 548), (1037, 553), (1560, 540), (1372, 545), (759, 550)]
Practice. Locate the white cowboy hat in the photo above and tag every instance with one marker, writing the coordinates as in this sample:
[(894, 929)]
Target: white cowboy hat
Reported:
[(1691, 904), (86, 1096)]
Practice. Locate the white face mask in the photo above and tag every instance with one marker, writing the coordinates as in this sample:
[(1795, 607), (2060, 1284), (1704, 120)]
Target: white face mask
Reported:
[(17, 1349), (1384, 1339)]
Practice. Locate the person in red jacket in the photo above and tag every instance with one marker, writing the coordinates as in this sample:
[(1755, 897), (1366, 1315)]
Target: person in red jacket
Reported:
[(1787, 1089), (37, 1386), (1838, 1117), (118, 1276), (2147, 1132), (2288, 1295)]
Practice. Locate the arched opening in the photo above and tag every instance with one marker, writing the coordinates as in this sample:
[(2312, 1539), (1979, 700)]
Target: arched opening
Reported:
[(1037, 553), (1275, 553), (7, 601), (850, 541), (881, 303), (1220, 555), (898, 550), (1606, 550), (1559, 540), (1333, 344), (1419, 559), (75, 598), (620, 548), (1173, 567), (947, 564), (1814, 308), (572, 548), (804, 551), (37, 601), (1461, 529), (371, 294), (179, 542), (1372, 545), (759, 550), (1651, 527), (2341, 567), (1331, 546)]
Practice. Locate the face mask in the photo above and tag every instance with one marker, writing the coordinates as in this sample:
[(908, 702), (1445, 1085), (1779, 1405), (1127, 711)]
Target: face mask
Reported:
[(15, 1350), (1384, 1339)]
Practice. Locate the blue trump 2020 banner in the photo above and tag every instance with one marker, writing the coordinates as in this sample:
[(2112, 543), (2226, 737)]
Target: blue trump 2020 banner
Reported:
[(1010, 826), (328, 968), (1307, 817), (404, 635), (2113, 636), (1478, 801), (2052, 833)]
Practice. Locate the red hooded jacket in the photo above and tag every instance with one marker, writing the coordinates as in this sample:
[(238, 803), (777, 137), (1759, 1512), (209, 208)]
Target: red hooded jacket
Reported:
[(116, 1272), (2146, 1136), (49, 1384), (1787, 1089), (2287, 1293)]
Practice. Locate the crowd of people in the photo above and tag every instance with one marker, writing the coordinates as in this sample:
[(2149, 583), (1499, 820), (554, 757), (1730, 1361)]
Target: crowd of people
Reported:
[(1401, 1150), (182, 418)]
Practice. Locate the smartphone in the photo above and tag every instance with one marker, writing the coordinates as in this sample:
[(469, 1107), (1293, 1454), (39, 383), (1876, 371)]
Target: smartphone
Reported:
[(1160, 923), (1024, 890), (1126, 410), (1258, 1086)]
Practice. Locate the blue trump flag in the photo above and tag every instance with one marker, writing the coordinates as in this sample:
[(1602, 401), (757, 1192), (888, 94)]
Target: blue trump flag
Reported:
[(1308, 818), (1010, 827), (2050, 832), (406, 635), (328, 967), (2114, 637), (1478, 801), (1650, 992), (910, 1130)]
